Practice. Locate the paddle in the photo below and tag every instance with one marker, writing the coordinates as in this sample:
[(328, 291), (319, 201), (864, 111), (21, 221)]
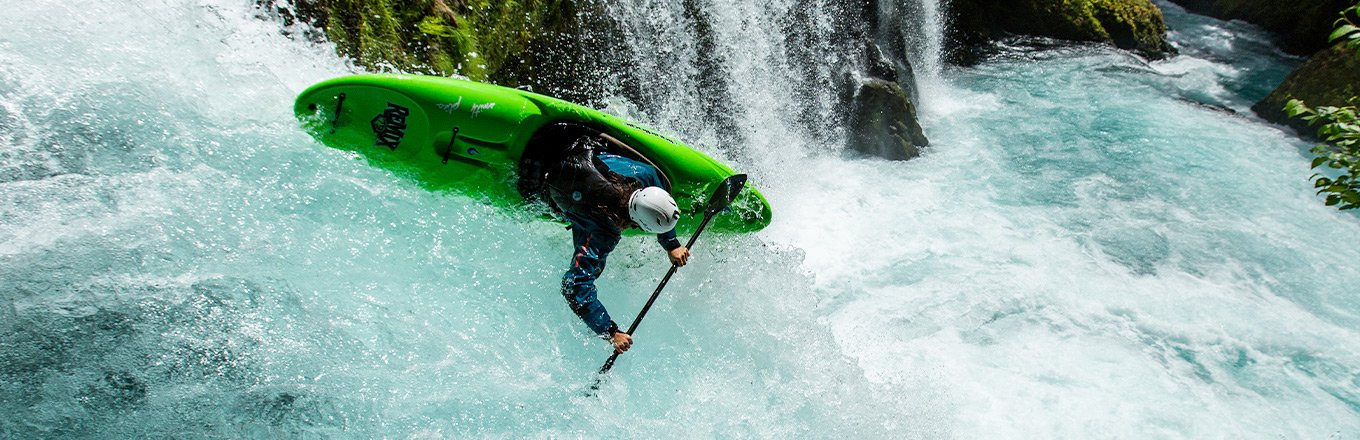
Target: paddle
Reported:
[(727, 191)]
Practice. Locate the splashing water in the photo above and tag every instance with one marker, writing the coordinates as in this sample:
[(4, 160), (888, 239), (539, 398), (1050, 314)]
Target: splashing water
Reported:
[(1094, 246)]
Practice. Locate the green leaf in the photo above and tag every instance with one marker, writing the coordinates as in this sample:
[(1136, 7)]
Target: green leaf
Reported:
[(1332, 200), (1343, 31), (1318, 162), (436, 26), (1295, 107)]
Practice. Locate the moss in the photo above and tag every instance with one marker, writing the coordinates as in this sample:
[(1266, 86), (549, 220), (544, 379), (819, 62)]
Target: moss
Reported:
[(1133, 25), (473, 38), (1136, 25)]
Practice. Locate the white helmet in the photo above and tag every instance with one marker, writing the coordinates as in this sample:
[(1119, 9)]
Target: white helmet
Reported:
[(653, 210)]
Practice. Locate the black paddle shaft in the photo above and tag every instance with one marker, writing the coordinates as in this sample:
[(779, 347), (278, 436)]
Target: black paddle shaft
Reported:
[(721, 198)]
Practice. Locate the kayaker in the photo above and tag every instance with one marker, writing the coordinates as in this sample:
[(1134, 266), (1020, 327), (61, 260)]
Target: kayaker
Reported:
[(600, 194)]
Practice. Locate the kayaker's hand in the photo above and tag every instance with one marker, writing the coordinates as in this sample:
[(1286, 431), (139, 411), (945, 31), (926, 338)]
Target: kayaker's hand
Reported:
[(679, 256), (622, 341)]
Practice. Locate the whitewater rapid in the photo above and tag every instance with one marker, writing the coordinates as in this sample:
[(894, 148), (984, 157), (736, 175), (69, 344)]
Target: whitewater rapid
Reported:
[(1093, 247)]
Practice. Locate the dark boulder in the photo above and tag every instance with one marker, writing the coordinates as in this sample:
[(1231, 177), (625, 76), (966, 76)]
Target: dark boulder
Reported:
[(1330, 78), (883, 122)]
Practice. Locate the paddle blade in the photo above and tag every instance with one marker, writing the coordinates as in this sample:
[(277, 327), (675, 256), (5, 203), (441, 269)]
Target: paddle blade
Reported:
[(726, 193)]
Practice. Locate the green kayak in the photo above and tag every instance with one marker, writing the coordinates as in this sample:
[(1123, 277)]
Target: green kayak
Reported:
[(469, 137)]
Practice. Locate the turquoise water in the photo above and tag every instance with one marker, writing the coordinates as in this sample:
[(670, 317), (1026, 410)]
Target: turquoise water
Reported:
[(1093, 247)]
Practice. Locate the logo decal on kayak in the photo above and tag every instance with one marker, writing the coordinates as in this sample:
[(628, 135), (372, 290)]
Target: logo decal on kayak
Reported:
[(479, 108), (390, 126), (450, 107)]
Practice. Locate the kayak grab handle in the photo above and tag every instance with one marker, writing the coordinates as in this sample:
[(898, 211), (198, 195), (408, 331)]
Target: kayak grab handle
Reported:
[(335, 122), (449, 150)]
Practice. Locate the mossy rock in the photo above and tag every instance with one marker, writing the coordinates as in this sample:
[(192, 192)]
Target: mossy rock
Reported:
[(1135, 25), (1330, 78), (1302, 26)]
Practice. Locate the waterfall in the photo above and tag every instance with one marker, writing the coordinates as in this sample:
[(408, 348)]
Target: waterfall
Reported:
[(932, 29), (928, 48), (765, 79)]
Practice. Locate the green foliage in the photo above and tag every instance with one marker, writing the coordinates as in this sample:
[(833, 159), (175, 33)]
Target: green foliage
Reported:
[(1348, 27), (1340, 127)]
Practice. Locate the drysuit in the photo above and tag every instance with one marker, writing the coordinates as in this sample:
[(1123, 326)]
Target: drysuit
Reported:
[(577, 186)]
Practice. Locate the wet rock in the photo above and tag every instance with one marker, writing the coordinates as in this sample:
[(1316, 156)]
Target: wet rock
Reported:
[(880, 95), (1329, 78), (887, 40), (1135, 25), (883, 122), (1302, 27)]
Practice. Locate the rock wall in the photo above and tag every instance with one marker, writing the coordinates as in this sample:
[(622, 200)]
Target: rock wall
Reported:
[(1302, 26), (512, 43), (1135, 25)]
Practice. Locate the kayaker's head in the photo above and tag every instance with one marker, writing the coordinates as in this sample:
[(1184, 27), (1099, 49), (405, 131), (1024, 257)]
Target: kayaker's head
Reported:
[(653, 210)]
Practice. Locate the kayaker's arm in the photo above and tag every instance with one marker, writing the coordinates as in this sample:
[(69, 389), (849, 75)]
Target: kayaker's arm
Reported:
[(668, 240)]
